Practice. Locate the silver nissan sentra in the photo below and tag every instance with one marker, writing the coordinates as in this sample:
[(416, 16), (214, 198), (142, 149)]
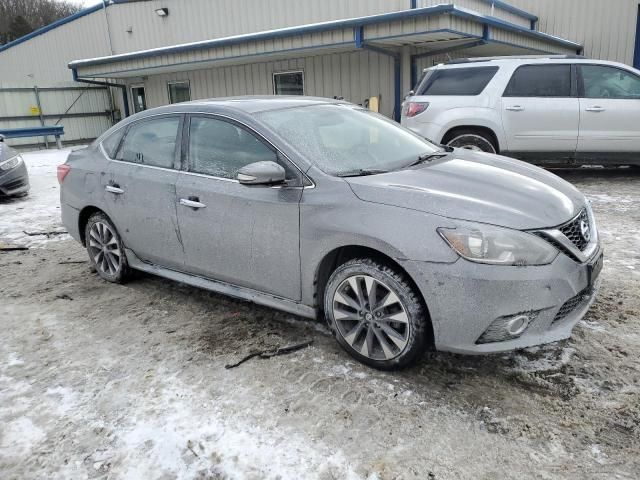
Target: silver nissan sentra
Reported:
[(319, 207)]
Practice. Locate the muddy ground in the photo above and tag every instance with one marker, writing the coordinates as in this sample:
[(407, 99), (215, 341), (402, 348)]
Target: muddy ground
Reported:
[(128, 381)]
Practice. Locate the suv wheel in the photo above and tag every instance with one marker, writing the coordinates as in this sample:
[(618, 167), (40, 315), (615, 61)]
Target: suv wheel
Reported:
[(476, 140), (376, 315), (105, 249)]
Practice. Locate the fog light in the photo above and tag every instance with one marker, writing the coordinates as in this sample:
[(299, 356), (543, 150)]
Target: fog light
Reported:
[(507, 328)]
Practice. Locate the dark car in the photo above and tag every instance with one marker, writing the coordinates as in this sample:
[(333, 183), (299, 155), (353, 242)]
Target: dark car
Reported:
[(14, 178)]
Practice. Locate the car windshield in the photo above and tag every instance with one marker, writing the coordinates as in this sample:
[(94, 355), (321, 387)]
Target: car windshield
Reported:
[(343, 140)]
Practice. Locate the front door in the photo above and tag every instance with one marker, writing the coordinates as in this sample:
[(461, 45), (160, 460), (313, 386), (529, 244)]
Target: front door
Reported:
[(610, 112), (540, 111), (140, 190), (242, 235)]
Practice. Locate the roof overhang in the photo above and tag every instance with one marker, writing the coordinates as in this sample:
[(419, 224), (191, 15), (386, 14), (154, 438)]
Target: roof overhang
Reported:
[(422, 29)]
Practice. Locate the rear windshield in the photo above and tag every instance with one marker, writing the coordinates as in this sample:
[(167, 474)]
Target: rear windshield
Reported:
[(457, 81)]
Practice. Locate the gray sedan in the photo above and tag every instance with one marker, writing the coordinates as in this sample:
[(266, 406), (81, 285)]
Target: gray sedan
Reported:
[(319, 207), (14, 178)]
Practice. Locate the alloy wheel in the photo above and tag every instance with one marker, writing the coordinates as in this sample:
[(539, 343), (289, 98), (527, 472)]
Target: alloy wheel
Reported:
[(371, 318), (104, 248)]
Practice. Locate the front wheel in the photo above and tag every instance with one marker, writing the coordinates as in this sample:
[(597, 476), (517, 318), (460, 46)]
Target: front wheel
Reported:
[(375, 313), (105, 249)]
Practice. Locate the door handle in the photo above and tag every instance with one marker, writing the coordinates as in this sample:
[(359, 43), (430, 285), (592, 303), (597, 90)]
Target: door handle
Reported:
[(192, 203), (595, 109), (515, 108), (114, 189)]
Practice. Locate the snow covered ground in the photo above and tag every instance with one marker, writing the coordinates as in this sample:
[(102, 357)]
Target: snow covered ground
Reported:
[(128, 381), (40, 210)]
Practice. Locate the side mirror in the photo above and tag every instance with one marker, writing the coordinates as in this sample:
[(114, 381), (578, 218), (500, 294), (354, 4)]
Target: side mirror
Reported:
[(261, 173), (1, 138)]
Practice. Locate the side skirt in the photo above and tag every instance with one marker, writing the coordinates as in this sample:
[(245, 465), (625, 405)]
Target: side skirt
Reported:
[(223, 288)]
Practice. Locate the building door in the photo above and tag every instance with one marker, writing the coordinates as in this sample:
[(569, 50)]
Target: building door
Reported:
[(540, 111), (139, 98)]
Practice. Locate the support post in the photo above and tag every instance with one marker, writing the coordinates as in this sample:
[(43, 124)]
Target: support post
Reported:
[(40, 114)]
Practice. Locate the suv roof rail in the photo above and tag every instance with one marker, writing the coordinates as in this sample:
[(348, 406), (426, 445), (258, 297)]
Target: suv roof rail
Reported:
[(514, 57)]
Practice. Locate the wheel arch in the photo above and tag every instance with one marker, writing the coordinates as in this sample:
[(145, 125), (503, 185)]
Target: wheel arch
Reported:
[(451, 133), (83, 218), (340, 255)]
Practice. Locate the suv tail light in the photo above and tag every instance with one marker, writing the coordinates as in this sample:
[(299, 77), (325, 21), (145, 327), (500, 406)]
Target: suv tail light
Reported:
[(62, 172), (411, 109)]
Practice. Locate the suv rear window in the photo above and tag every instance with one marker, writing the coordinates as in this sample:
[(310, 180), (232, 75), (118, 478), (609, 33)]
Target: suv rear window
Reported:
[(540, 81), (457, 81)]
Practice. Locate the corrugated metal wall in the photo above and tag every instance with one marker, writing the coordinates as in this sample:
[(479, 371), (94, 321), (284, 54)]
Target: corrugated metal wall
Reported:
[(90, 109), (606, 28), (354, 76), (485, 9)]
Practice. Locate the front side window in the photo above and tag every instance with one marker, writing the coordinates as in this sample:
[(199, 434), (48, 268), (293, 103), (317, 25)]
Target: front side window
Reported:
[(151, 142), (179, 92), (600, 81), (540, 81), (341, 139), (220, 148), (288, 83), (457, 81)]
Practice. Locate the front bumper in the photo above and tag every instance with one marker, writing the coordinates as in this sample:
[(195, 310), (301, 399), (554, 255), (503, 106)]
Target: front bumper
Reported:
[(464, 298), (14, 181)]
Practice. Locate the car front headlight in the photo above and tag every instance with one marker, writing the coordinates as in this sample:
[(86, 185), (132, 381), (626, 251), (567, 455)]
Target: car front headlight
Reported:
[(13, 162), (498, 246)]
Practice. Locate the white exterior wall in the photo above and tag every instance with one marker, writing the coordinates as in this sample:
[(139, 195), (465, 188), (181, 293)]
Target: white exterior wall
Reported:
[(354, 76), (606, 28)]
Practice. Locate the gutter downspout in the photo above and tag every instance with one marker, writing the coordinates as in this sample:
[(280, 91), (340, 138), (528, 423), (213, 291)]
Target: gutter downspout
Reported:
[(358, 33), (106, 21), (125, 97)]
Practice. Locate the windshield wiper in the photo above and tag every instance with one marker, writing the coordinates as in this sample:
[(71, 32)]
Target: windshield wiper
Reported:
[(427, 157), (362, 172)]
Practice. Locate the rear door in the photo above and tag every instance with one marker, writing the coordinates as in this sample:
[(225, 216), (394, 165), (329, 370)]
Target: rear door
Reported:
[(243, 235), (139, 190), (610, 113), (540, 112)]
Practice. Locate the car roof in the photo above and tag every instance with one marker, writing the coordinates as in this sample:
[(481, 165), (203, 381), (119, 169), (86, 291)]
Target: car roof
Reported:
[(247, 104)]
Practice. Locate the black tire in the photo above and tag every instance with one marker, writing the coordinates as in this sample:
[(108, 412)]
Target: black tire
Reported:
[(415, 333), (109, 266), (471, 139)]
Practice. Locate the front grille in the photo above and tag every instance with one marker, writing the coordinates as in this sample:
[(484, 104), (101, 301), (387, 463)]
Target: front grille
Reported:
[(570, 305), (573, 230)]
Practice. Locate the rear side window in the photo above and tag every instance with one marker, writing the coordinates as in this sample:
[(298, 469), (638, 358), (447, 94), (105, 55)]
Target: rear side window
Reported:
[(540, 81), (457, 81), (151, 142), (112, 142)]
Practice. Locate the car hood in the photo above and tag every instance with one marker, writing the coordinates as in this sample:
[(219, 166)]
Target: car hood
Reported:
[(6, 152), (479, 187)]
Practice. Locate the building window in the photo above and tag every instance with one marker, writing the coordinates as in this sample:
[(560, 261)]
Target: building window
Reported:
[(288, 83), (179, 92), (139, 98)]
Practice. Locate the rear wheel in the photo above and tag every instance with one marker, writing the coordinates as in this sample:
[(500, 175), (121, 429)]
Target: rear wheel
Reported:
[(471, 139), (105, 249), (375, 313)]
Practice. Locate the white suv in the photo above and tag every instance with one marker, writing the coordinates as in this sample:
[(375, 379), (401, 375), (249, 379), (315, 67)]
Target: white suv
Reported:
[(547, 110)]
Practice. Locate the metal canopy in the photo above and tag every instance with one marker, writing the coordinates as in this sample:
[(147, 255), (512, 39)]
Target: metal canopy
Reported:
[(420, 29)]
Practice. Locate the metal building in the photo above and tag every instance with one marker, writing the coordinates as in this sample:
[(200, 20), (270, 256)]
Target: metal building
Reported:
[(153, 52)]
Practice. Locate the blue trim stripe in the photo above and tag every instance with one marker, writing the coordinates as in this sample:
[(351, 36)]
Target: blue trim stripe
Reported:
[(48, 28), (511, 9), (636, 55), (329, 26)]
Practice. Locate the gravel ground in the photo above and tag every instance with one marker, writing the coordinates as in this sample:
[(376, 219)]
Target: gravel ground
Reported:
[(128, 381)]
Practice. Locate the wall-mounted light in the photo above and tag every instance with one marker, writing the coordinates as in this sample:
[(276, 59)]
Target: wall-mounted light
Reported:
[(162, 12)]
